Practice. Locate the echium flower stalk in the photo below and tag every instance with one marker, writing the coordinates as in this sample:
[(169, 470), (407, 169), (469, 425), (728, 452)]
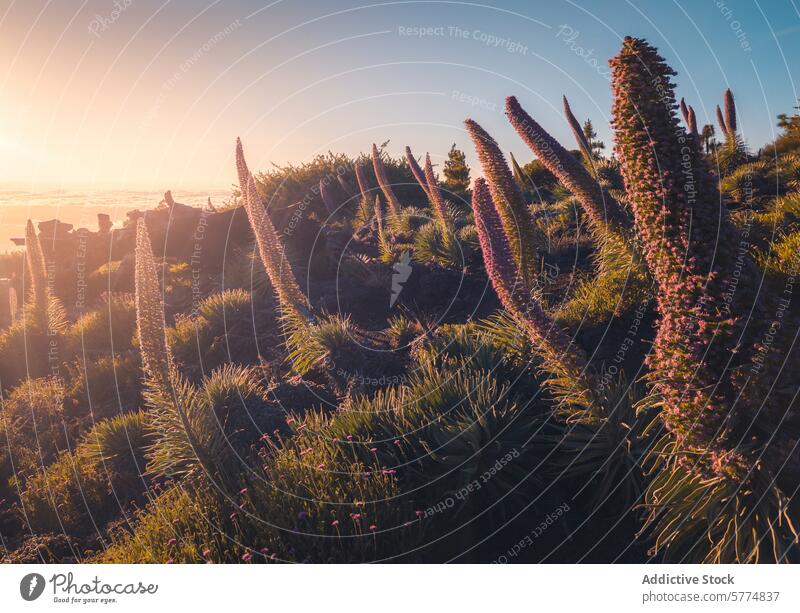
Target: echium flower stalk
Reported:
[(721, 121), (730, 114), (502, 270), (347, 189), (689, 117), (383, 183), (603, 211), (379, 219), (437, 201), (692, 123), (37, 271), (577, 132), (689, 246), (514, 212), (270, 249), (327, 199), (418, 173), (156, 356), (363, 183)]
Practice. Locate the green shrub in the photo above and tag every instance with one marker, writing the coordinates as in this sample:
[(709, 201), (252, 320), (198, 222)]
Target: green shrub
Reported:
[(32, 430)]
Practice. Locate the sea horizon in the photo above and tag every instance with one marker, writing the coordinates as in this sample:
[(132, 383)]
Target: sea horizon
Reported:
[(80, 206)]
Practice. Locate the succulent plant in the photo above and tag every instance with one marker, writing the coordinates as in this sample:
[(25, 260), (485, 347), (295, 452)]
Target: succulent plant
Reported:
[(506, 278), (270, 249), (514, 212), (383, 182), (156, 356), (418, 173)]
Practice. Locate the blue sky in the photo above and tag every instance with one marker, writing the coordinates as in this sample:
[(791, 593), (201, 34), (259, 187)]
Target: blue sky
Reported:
[(152, 95)]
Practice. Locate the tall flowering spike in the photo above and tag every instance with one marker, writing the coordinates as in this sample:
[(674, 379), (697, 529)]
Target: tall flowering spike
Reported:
[(689, 246), (721, 122), (437, 202), (37, 268), (419, 175), (684, 111), (504, 275), (692, 123), (347, 189), (327, 199), (577, 131), (600, 207), (363, 183), (382, 240), (730, 113), (514, 212), (269, 246), (241, 166), (156, 356), (383, 182)]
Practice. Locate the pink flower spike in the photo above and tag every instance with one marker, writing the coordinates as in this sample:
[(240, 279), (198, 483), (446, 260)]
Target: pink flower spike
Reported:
[(206, 553), (246, 557), (374, 450), (243, 491), (396, 442), (335, 522), (419, 513), (171, 542), (373, 527), (169, 561)]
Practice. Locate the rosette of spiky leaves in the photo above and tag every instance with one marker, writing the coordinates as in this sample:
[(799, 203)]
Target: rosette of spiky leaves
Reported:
[(601, 208), (272, 253), (689, 245), (605, 444), (561, 357), (121, 441), (693, 519), (478, 421), (383, 182), (319, 344), (514, 212), (210, 435), (419, 175)]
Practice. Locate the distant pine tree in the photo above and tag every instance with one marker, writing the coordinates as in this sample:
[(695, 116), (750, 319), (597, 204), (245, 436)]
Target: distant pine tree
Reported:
[(456, 175), (596, 146)]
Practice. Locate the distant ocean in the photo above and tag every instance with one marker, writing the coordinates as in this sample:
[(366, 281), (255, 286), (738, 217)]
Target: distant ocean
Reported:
[(80, 207)]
